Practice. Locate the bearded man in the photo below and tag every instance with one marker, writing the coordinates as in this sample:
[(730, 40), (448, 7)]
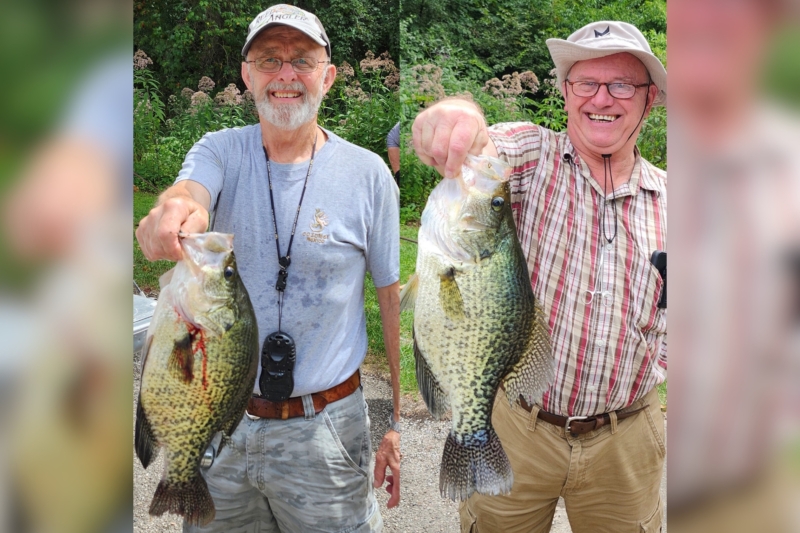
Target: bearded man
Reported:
[(311, 214), (591, 219)]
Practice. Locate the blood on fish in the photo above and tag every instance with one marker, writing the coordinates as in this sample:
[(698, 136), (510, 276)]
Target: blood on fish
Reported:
[(200, 344)]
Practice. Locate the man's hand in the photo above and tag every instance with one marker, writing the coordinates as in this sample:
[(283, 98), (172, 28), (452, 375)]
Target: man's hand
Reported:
[(179, 209), (389, 455), (445, 133)]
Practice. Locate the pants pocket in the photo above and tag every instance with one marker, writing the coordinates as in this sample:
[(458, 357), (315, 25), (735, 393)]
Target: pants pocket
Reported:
[(656, 423), (652, 524), (354, 462), (469, 522)]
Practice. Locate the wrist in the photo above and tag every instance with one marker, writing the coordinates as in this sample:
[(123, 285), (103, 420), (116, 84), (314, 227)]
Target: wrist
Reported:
[(393, 424)]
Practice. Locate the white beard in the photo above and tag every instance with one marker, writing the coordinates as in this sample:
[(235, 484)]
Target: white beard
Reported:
[(289, 117)]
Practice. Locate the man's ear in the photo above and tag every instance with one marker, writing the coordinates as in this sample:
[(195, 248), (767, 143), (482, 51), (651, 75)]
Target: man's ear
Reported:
[(330, 77), (652, 94), (246, 75)]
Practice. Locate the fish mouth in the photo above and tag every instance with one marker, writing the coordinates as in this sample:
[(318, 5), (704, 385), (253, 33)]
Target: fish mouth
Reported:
[(596, 117)]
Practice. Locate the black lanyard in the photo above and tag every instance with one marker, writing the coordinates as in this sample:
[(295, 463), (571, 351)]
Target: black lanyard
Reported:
[(285, 260)]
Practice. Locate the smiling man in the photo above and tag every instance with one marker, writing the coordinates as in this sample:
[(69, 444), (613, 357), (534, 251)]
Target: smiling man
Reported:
[(311, 215), (590, 214)]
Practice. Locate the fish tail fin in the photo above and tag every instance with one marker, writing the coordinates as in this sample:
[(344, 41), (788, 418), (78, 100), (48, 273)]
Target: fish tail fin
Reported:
[(474, 463), (189, 499), (408, 296)]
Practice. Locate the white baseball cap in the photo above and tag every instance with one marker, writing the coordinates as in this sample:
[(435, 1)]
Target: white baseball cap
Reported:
[(286, 15), (605, 38)]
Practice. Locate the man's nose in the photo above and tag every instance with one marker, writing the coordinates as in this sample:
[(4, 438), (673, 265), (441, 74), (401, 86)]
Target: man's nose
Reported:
[(603, 98), (286, 72)]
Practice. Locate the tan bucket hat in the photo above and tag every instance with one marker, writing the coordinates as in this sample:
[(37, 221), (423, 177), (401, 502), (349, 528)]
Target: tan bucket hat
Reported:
[(605, 38)]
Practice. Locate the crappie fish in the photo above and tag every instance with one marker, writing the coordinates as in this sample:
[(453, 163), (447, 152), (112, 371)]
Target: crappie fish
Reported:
[(476, 323), (200, 364)]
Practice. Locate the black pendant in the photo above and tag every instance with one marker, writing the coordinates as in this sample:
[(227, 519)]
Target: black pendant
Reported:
[(278, 356)]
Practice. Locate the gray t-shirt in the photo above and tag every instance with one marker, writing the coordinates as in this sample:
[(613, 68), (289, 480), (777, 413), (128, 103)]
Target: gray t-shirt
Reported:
[(348, 225), (393, 138)]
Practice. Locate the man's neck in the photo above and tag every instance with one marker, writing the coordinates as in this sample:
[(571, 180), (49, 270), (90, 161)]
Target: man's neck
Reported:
[(620, 172), (291, 146)]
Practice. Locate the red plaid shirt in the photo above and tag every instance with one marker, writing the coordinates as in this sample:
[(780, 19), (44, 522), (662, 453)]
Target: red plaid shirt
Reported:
[(613, 350)]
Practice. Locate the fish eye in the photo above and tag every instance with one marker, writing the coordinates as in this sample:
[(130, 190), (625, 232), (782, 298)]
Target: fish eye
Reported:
[(497, 203), (229, 272)]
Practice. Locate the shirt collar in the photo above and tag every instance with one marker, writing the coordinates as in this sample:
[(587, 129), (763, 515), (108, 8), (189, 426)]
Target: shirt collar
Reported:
[(641, 177)]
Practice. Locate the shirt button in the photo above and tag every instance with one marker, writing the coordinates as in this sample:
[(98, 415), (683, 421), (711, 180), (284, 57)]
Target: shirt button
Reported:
[(592, 388), (601, 344), (609, 246)]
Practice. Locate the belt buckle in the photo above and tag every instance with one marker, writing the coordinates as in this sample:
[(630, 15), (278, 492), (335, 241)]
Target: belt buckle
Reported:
[(569, 421), (251, 417)]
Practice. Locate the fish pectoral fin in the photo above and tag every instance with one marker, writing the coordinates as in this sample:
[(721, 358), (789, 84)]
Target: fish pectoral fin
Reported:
[(534, 371), (181, 360), (429, 387), (408, 295), (165, 278), (450, 295), (146, 445)]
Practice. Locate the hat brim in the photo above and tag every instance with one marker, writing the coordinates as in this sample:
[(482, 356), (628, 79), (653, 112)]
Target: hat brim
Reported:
[(565, 54)]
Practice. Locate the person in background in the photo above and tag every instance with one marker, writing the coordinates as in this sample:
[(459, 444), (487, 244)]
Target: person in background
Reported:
[(393, 148)]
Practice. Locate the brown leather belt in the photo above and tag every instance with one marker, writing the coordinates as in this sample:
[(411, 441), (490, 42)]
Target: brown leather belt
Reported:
[(293, 407), (578, 425)]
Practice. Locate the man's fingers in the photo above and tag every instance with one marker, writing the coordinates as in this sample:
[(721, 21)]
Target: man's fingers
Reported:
[(464, 138), (394, 487), (197, 222), (422, 138), (444, 134), (158, 231), (380, 471)]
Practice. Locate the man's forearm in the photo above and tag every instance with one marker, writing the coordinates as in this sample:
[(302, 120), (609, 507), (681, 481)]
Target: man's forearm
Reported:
[(394, 158), (389, 302), (187, 189)]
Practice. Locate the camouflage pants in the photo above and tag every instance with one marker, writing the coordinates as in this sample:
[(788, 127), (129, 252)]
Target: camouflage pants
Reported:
[(307, 474)]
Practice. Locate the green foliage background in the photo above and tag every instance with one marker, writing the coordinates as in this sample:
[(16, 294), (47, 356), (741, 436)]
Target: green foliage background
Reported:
[(187, 40)]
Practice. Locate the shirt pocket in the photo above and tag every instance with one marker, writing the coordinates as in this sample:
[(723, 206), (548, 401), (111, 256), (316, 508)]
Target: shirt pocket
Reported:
[(646, 285)]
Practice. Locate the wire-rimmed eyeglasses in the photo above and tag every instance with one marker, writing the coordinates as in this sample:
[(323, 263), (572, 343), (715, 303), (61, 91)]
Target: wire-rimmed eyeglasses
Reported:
[(302, 65), (621, 91)]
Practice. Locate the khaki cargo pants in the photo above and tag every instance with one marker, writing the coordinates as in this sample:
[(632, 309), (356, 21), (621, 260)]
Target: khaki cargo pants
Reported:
[(609, 478)]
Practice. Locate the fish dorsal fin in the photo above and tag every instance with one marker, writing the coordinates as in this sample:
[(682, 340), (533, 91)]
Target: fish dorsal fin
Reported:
[(533, 373), (181, 360), (429, 387), (450, 295), (408, 296)]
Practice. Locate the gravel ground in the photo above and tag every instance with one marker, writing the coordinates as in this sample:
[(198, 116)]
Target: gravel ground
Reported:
[(421, 508)]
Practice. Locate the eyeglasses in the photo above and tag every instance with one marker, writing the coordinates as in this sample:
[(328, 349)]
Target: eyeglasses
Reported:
[(621, 91), (302, 65)]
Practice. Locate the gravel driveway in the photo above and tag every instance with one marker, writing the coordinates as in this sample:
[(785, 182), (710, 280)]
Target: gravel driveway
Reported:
[(421, 508)]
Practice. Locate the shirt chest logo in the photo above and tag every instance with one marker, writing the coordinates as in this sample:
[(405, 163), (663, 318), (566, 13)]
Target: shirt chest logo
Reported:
[(318, 223)]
